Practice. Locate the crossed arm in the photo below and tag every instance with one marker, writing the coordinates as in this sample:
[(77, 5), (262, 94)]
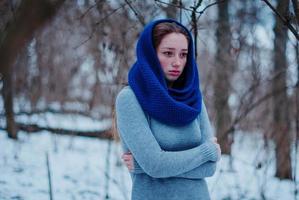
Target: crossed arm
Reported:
[(198, 162)]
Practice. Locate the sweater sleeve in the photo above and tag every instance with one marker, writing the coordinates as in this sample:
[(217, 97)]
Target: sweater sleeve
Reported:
[(206, 169), (136, 134)]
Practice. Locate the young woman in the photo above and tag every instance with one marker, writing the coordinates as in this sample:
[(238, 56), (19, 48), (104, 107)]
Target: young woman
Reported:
[(162, 120)]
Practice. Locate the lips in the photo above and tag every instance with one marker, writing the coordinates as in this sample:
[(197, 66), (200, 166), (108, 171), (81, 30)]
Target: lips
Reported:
[(174, 73)]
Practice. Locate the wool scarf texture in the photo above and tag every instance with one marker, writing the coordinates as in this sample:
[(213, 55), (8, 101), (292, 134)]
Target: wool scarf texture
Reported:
[(176, 106)]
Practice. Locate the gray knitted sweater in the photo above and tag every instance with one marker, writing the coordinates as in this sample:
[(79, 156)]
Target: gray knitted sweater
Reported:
[(170, 162)]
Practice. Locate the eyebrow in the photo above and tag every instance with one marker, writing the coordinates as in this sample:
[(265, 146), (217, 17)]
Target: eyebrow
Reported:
[(169, 48)]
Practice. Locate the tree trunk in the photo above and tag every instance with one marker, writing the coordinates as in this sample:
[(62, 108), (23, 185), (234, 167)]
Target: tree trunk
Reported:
[(223, 72), (171, 11), (30, 15), (281, 124), (296, 9), (7, 93)]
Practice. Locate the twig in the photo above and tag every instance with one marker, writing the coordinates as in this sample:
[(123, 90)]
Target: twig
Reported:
[(113, 180), (87, 11), (210, 5), (297, 121), (12, 8), (98, 23), (283, 19), (252, 107), (49, 177), (174, 5), (181, 5), (86, 40), (205, 8), (107, 169), (140, 18), (191, 10), (296, 11), (194, 25)]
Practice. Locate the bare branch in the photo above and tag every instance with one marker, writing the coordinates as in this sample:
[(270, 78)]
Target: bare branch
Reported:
[(296, 10), (139, 17), (195, 19), (285, 21), (174, 5), (87, 11), (210, 5), (198, 4), (252, 106), (205, 8), (86, 40), (98, 23), (194, 26)]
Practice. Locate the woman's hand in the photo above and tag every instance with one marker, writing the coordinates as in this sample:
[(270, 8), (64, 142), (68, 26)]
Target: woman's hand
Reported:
[(214, 139), (128, 160)]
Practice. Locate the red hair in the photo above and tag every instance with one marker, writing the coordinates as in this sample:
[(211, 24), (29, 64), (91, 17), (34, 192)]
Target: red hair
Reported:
[(165, 28)]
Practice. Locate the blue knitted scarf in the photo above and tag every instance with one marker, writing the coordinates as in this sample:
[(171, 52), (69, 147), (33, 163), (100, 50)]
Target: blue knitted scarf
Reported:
[(175, 106)]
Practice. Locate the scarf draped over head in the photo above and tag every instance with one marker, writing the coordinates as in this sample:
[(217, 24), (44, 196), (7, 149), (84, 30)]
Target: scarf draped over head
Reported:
[(175, 106)]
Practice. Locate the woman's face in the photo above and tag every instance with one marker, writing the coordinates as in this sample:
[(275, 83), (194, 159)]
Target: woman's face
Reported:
[(172, 53)]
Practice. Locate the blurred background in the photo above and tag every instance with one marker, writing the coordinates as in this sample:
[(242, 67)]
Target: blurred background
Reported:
[(62, 63)]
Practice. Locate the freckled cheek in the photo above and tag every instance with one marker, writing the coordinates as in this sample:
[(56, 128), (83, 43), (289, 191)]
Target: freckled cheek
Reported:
[(164, 64), (184, 64), (161, 60)]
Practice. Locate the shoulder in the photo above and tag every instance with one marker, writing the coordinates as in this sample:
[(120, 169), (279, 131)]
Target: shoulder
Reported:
[(125, 97), (125, 93), (203, 110), (126, 103), (203, 105)]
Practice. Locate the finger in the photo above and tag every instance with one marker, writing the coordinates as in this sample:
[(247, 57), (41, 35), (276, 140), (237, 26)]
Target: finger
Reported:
[(126, 154), (126, 157), (128, 165), (215, 139)]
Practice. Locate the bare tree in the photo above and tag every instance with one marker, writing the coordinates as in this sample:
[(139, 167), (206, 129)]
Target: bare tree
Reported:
[(171, 10), (296, 9), (19, 31), (281, 122), (223, 72)]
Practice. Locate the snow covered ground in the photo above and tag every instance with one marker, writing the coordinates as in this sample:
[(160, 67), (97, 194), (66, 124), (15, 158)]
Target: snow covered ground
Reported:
[(77, 164), (88, 168)]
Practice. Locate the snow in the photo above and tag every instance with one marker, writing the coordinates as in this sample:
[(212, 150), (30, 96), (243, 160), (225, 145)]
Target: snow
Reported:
[(79, 168), (62, 121), (251, 172)]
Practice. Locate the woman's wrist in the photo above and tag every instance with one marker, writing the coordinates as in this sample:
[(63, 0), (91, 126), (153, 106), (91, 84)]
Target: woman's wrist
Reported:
[(213, 150)]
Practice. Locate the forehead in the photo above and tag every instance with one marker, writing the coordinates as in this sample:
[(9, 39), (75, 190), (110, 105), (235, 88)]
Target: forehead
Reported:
[(174, 40)]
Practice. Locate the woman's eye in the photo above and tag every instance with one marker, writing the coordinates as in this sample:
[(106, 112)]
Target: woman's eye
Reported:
[(184, 55), (168, 53)]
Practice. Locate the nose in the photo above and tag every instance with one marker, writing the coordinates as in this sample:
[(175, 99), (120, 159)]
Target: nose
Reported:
[(176, 62)]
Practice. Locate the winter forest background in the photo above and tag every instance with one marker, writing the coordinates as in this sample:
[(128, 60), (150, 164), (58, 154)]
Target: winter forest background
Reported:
[(62, 62)]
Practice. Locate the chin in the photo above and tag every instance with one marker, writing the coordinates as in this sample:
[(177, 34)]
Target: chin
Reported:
[(172, 79)]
